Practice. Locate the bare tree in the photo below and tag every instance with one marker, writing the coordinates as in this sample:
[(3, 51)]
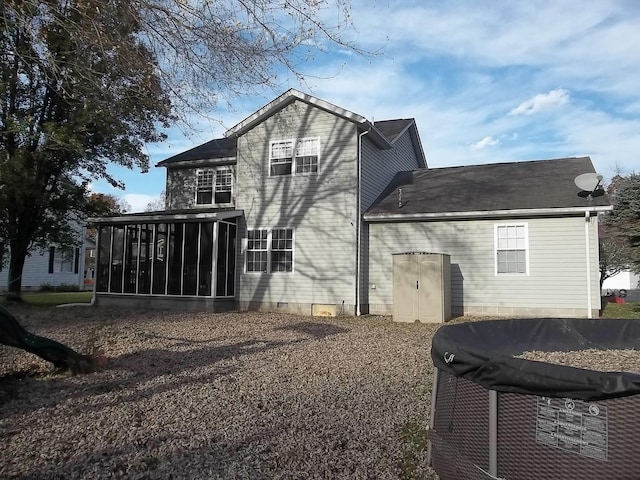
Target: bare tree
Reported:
[(158, 204)]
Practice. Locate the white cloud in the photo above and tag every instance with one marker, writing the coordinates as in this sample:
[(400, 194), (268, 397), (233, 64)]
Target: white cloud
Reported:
[(484, 143), (542, 101), (458, 67)]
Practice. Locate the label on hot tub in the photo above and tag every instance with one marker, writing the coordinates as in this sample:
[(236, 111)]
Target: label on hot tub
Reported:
[(573, 425)]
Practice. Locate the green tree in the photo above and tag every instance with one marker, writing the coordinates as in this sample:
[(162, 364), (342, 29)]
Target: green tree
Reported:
[(86, 83), (78, 90), (620, 233)]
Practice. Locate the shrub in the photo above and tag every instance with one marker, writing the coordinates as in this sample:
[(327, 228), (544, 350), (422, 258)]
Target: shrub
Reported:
[(63, 287)]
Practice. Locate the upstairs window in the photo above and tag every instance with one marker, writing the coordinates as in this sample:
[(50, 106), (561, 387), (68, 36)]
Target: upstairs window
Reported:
[(224, 179), (294, 157), (269, 251), (512, 245), (214, 186)]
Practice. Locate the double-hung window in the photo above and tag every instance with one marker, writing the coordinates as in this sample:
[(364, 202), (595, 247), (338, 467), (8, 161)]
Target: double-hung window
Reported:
[(214, 186), (269, 251), (512, 249), (294, 157), (224, 180)]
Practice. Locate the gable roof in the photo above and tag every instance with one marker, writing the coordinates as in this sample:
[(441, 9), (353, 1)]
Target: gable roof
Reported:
[(392, 129), (526, 188), (293, 95), (383, 133), (218, 148)]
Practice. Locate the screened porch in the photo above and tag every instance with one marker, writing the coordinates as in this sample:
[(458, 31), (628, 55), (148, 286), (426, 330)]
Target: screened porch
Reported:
[(167, 256)]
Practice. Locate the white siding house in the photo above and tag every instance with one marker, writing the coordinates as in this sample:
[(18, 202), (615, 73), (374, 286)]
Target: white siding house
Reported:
[(301, 206), (50, 268)]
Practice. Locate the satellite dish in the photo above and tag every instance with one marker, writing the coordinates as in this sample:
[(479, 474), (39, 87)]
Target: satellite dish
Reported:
[(590, 185), (589, 182)]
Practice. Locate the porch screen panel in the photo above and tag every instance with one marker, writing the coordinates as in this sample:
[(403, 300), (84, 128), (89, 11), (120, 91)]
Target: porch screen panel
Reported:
[(117, 256), (146, 256), (160, 260), (131, 259), (190, 268), (231, 261), (206, 259), (176, 237), (221, 259), (103, 260)]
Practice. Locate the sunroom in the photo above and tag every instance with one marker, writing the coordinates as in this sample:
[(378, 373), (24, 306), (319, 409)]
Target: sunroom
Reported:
[(168, 260)]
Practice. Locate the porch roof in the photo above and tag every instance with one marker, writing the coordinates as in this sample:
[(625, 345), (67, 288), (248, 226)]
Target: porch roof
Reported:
[(170, 216)]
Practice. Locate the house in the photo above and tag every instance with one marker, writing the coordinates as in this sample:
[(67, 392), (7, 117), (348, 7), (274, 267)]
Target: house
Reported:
[(52, 267), (302, 205)]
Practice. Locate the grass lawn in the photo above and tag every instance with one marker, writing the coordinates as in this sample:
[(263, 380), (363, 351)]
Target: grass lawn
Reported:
[(53, 299), (622, 310)]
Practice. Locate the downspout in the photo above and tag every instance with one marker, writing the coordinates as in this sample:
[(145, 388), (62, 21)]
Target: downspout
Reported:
[(587, 223), (359, 223)]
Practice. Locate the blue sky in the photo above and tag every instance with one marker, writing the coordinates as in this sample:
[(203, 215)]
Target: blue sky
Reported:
[(487, 81)]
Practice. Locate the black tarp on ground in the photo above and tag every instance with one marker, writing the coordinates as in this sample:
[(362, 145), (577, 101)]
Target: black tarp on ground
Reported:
[(484, 351)]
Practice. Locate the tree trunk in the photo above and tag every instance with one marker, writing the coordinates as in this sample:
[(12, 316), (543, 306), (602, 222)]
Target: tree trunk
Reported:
[(62, 357), (18, 254)]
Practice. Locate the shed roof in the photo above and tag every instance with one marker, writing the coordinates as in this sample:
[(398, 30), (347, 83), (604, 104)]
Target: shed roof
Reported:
[(474, 190)]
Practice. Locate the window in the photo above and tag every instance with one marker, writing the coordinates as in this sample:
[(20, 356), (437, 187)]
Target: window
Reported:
[(512, 249), (281, 157), (204, 189), (224, 177), (257, 250), (63, 260), (214, 186), (297, 157), (270, 251)]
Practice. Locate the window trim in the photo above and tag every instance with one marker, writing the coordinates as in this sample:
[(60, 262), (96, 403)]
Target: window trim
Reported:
[(294, 147), (496, 227), (269, 250), (214, 181)]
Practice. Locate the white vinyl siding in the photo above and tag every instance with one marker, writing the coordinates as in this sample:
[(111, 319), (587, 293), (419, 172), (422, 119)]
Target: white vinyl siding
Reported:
[(321, 208), (512, 251), (36, 271), (557, 278)]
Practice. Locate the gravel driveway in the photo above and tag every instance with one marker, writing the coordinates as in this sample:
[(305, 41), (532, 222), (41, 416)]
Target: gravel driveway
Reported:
[(201, 396)]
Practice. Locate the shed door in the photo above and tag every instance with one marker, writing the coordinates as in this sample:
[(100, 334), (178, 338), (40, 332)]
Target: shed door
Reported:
[(430, 288), (405, 289)]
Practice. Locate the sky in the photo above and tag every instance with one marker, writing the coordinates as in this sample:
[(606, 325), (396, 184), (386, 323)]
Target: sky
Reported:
[(486, 81)]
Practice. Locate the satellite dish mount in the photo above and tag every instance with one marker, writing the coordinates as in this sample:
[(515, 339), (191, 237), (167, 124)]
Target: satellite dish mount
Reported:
[(590, 185)]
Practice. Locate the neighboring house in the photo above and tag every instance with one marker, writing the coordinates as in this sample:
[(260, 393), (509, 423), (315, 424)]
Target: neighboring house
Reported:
[(298, 208), (50, 267), (626, 280)]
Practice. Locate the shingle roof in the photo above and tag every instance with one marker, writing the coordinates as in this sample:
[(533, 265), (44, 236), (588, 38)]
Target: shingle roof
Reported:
[(217, 148), (392, 128), (538, 184)]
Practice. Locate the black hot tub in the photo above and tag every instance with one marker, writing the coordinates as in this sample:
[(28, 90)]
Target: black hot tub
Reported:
[(494, 415)]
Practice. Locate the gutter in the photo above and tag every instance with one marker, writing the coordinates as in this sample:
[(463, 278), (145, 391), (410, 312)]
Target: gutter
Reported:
[(359, 222), (522, 212), (587, 224)]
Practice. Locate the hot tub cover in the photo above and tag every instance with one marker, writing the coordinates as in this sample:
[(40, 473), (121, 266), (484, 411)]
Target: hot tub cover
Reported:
[(484, 352)]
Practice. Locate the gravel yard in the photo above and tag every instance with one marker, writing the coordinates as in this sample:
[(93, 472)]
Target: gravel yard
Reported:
[(201, 396), (621, 360)]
